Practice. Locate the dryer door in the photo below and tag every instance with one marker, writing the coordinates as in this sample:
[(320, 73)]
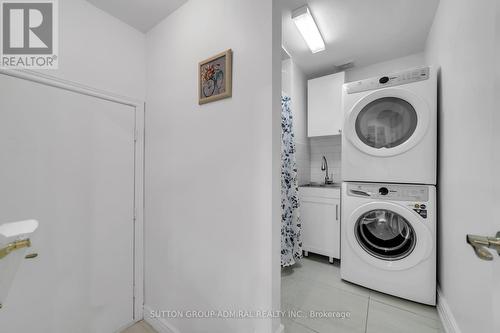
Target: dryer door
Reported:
[(389, 236), (387, 122)]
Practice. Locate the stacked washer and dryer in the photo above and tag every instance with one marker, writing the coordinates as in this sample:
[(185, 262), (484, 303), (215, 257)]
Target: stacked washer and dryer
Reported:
[(389, 166)]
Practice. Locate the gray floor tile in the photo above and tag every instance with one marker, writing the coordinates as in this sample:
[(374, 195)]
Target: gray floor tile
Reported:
[(314, 296), (318, 268), (315, 284), (383, 318), (420, 309), (293, 327), (140, 327)]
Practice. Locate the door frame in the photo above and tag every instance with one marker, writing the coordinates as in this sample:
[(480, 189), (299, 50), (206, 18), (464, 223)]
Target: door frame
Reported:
[(139, 149)]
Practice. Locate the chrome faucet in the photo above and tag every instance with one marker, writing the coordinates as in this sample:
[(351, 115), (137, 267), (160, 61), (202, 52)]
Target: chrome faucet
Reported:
[(324, 167)]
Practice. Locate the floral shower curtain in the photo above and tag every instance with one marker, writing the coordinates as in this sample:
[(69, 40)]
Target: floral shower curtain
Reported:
[(291, 228)]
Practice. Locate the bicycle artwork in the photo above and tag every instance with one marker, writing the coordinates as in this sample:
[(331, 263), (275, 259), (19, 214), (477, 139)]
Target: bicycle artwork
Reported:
[(215, 78)]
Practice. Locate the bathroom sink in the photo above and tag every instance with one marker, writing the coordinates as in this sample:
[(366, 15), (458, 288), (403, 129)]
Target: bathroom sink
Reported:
[(323, 185)]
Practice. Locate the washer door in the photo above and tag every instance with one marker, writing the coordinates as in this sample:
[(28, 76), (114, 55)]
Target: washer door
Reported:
[(389, 236), (385, 234), (387, 122)]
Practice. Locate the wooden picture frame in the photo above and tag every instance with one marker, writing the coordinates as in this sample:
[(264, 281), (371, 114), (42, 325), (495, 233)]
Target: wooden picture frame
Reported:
[(215, 77)]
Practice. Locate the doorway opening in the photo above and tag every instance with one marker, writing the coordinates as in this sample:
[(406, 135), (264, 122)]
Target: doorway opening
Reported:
[(326, 230)]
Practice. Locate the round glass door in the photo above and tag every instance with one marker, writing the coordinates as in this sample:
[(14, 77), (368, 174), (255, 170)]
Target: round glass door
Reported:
[(386, 122), (385, 234)]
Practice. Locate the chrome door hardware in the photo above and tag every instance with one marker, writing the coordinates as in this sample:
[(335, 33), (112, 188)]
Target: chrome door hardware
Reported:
[(20, 244), (481, 243)]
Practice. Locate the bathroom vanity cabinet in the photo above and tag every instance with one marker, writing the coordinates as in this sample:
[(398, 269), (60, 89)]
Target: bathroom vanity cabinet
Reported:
[(320, 215), (325, 115)]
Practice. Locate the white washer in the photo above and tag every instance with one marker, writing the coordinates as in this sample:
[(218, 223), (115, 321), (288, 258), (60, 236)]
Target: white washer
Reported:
[(390, 128), (388, 239)]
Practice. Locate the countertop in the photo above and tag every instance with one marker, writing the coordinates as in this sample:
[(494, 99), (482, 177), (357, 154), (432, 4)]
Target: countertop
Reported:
[(321, 185)]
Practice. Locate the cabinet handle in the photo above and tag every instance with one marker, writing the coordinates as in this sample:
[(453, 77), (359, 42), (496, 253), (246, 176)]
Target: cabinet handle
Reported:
[(337, 212)]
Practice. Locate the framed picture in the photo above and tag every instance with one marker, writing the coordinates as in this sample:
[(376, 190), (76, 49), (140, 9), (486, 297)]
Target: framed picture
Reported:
[(215, 77)]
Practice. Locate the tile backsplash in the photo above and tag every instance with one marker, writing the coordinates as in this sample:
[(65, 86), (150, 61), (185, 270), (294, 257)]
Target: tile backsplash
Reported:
[(331, 148)]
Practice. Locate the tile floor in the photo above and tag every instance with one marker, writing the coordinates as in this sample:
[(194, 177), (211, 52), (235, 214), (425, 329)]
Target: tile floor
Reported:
[(140, 327), (315, 284)]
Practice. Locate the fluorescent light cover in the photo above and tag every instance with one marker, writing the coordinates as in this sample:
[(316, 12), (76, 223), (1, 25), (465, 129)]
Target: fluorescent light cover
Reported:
[(308, 29)]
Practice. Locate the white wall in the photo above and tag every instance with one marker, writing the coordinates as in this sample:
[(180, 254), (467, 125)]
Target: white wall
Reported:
[(212, 179), (299, 107), (286, 77), (294, 84), (100, 51), (331, 148), (385, 67), (463, 43)]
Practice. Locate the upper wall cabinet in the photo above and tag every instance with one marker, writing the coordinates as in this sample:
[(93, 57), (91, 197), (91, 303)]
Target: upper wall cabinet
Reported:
[(324, 105)]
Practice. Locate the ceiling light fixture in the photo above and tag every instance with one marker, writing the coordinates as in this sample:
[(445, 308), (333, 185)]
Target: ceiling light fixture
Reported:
[(308, 29)]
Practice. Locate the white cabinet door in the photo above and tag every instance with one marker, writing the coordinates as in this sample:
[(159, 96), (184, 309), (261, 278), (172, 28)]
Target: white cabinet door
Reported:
[(324, 105), (321, 225)]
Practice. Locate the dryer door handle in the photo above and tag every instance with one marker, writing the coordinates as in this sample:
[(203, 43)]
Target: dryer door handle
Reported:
[(481, 243), (362, 193)]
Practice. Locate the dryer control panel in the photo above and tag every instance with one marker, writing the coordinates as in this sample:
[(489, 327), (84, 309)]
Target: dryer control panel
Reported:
[(390, 80), (389, 192)]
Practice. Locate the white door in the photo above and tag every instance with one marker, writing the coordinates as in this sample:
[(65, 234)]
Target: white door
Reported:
[(67, 160)]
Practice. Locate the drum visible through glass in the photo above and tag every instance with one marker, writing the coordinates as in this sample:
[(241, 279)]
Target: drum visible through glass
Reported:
[(386, 122), (385, 234)]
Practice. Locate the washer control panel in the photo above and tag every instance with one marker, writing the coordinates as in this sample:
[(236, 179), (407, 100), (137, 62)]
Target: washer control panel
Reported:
[(390, 80), (390, 192)]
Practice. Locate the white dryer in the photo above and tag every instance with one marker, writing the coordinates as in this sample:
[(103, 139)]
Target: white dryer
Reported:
[(390, 128), (388, 239)]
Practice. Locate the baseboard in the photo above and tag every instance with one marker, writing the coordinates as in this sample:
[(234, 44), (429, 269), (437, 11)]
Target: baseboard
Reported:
[(449, 322), (159, 324), (281, 329)]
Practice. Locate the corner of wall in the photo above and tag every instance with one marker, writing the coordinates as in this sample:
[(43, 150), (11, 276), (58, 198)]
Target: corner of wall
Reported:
[(448, 320), (159, 324)]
